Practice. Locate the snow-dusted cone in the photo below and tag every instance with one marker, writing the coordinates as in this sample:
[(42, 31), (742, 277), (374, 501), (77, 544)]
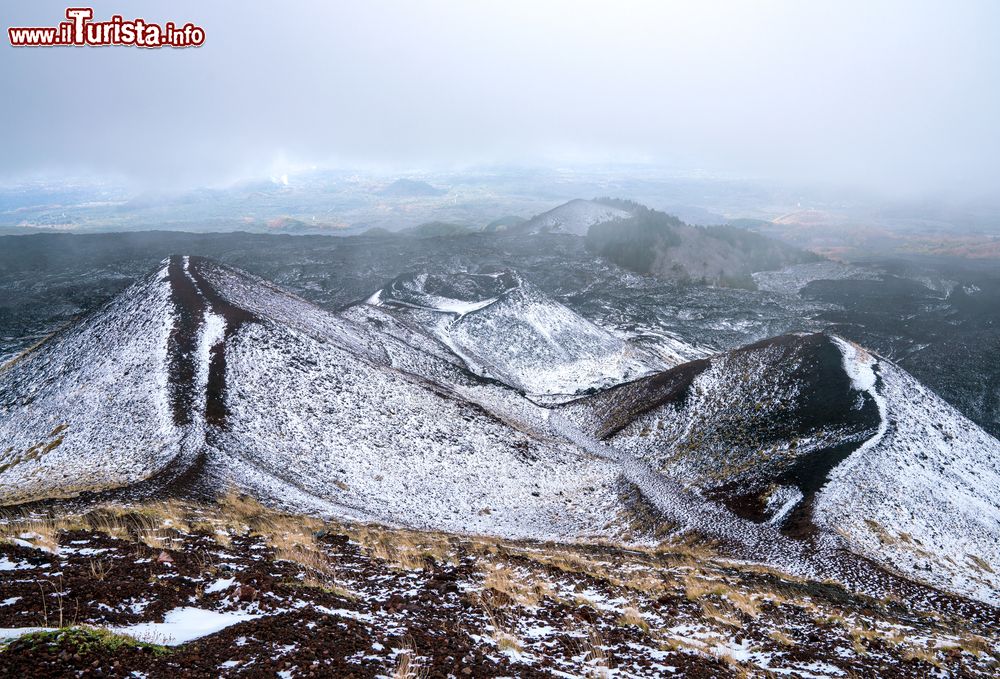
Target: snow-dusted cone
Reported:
[(472, 402), (201, 376)]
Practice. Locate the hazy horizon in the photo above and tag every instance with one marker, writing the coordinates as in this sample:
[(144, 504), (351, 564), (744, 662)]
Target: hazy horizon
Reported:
[(891, 97)]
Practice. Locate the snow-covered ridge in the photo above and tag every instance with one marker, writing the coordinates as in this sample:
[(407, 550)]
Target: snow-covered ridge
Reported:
[(921, 495), (506, 329), (91, 407), (201, 377)]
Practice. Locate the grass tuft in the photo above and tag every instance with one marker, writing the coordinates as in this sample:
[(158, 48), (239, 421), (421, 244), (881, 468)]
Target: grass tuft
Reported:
[(82, 641)]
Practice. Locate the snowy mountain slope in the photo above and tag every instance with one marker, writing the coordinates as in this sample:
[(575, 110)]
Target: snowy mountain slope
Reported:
[(742, 418), (69, 420), (773, 419), (389, 448), (788, 451), (831, 443), (251, 386), (504, 328), (574, 218), (922, 494)]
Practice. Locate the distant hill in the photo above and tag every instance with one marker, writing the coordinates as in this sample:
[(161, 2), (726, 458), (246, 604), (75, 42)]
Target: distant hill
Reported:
[(653, 242), (411, 188), (299, 226)]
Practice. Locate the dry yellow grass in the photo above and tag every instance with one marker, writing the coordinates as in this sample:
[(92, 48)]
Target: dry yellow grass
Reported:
[(109, 523), (43, 534), (782, 638), (312, 559), (153, 534), (564, 559), (40, 530), (690, 547), (504, 637), (293, 539), (400, 548), (524, 588), (678, 644), (240, 513), (507, 642), (171, 514), (158, 525), (922, 654), (99, 570), (721, 613), (594, 655), (724, 595), (287, 533), (646, 581), (217, 531), (407, 663), (981, 563), (696, 589), (397, 551), (975, 644), (746, 604), (632, 617)]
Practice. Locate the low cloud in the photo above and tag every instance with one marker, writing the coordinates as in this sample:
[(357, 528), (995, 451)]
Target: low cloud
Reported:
[(891, 96)]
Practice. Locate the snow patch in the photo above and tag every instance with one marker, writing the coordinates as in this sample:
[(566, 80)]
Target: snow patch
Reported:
[(182, 625)]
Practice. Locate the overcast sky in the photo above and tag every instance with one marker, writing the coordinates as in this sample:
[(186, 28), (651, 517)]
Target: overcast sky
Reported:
[(894, 96)]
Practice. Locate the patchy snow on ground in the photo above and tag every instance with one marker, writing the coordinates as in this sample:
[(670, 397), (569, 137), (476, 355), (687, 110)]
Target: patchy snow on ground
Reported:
[(8, 565), (182, 625)]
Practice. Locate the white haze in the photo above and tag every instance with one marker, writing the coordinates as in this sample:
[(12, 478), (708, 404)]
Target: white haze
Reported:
[(901, 97)]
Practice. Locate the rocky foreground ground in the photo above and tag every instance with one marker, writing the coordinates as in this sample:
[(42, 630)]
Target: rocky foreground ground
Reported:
[(234, 589)]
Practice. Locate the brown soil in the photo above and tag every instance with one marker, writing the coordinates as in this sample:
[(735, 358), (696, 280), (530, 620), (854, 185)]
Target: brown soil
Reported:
[(375, 591)]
